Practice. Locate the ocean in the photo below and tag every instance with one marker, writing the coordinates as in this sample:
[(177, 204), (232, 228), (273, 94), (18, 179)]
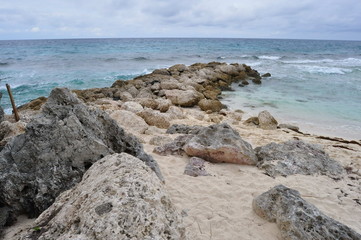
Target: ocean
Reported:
[(315, 84)]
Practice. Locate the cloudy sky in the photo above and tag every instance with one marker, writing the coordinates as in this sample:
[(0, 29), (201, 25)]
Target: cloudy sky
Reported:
[(300, 19)]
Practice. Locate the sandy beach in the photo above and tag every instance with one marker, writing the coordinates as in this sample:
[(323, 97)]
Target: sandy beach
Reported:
[(219, 206)]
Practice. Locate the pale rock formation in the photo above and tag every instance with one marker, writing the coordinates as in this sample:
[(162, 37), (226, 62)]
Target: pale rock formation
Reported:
[(130, 121), (132, 106), (297, 219), (267, 121), (119, 197), (187, 98), (296, 157), (220, 143), (155, 118)]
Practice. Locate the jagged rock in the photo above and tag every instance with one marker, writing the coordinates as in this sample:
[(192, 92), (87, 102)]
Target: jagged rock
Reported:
[(118, 198), (196, 167), (187, 98), (266, 75), (256, 80), (152, 130), (267, 121), (175, 147), (155, 118), (57, 147), (297, 219), (220, 143), (132, 106), (2, 114), (296, 157), (129, 121), (212, 105), (289, 126), (183, 129), (160, 140)]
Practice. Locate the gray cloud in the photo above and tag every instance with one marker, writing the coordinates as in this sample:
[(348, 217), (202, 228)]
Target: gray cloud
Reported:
[(330, 19)]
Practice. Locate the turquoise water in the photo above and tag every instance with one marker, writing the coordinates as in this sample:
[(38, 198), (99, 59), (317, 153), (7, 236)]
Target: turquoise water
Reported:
[(314, 84)]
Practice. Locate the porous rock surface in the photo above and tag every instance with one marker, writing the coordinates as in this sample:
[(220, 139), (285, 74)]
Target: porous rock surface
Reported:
[(297, 219), (220, 143), (195, 167), (183, 129), (267, 121), (296, 157), (58, 146), (129, 121), (2, 114), (119, 197)]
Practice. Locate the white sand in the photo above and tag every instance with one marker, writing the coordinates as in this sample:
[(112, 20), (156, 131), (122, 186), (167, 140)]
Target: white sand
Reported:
[(220, 206)]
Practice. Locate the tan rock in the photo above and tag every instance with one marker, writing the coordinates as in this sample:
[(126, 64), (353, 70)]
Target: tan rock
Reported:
[(212, 105), (187, 98), (155, 118), (132, 107), (129, 121), (267, 121)]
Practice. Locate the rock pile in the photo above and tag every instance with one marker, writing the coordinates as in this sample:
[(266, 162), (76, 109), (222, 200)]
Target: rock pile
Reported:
[(119, 197), (185, 86), (298, 219), (56, 149)]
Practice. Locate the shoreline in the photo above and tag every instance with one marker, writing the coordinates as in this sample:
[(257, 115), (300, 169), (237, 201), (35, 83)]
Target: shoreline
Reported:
[(217, 206)]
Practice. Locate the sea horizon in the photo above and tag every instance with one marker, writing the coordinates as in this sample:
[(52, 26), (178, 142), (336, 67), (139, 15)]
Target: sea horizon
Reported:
[(300, 68)]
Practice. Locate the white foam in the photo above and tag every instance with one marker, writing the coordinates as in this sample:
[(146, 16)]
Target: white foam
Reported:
[(265, 57), (305, 61), (324, 70)]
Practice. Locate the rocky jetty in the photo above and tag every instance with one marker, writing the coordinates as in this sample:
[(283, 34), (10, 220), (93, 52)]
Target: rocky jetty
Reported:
[(58, 146), (296, 157), (199, 84), (119, 197), (297, 219)]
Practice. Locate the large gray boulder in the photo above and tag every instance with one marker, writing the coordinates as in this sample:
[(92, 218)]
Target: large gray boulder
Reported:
[(296, 157), (2, 114), (297, 219), (220, 143), (119, 197), (267, 121), (56, 149)]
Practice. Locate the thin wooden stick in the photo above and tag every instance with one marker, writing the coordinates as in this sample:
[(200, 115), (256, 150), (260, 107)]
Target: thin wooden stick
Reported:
[(16, 114)]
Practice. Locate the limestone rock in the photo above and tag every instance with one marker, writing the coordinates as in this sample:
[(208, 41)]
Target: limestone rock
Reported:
[(35, 104), (119, 197), (58, 146), (267, 121), (297, 219), (9, 130), (160, 140), (296, 157), (183, 129), (175, 113), (155, 118), (212, 105), (2, 114), (132, 106), (266, 75), (220, 143), (196, 167), (173, 148), (187, 98), (129, 121)]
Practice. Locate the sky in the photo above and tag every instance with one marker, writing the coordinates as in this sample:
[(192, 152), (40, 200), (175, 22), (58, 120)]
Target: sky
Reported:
[(299, 19)]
